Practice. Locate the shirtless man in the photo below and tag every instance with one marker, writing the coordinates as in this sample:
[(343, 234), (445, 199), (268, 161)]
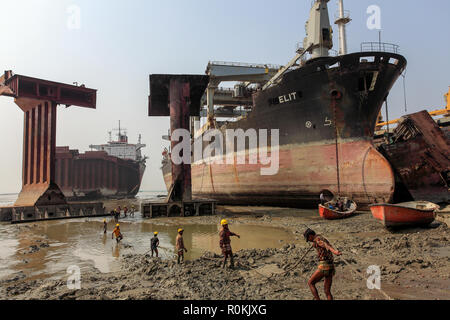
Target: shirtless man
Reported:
[(180, 246), (326, 267)]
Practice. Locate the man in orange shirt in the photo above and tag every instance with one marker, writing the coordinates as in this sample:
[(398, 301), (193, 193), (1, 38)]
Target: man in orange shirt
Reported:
[(225, 243), (117, 232)]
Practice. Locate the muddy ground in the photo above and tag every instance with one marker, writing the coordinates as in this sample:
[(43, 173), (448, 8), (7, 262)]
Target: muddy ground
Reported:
[(414, 263)]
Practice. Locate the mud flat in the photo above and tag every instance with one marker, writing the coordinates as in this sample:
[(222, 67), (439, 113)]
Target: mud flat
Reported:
[(414, 263)]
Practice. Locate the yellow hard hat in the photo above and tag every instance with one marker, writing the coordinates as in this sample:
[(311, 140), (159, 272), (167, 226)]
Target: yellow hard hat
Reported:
[(179, 230), (117, 225), (224, 222), (155, 233)]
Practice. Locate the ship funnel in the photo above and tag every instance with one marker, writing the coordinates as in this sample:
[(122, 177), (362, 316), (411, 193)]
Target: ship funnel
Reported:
[(319, 34)]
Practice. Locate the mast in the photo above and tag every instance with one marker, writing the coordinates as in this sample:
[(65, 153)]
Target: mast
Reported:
[(342, 20), (319, 35)]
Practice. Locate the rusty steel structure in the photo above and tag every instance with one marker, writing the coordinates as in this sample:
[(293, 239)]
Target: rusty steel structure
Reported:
[(177, 96), (38, 99), (419, 152), (96, 175)]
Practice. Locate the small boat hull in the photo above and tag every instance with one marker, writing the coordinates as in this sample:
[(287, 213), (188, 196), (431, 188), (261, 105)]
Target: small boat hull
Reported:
[(329, 214), (407, 214)]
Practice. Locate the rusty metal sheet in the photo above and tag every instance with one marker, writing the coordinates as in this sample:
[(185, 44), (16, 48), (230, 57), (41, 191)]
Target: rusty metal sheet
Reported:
[(420, 154), (60, 93)]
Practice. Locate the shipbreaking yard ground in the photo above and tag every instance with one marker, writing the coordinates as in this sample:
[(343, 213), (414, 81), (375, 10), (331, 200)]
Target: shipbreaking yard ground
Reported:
[(414, 263)]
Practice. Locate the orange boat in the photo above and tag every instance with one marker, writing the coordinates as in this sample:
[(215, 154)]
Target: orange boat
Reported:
[(333, 214), (405, 214)]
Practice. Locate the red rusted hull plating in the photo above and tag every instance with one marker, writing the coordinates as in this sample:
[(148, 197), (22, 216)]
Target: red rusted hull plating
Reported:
[(95, 175), (305, 171), (396, 216)]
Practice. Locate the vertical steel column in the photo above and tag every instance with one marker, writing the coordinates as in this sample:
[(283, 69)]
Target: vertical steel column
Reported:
[(179, 103), (38, 164), (66, 172)]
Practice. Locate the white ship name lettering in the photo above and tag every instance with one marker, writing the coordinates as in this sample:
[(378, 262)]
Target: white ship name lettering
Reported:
[(288, 98)]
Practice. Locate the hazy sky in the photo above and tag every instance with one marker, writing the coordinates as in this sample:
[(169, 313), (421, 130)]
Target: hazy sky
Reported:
[(119, 43)]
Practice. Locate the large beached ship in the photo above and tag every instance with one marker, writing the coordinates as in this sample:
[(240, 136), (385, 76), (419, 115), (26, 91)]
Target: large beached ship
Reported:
[(111, 170), (325, 107)]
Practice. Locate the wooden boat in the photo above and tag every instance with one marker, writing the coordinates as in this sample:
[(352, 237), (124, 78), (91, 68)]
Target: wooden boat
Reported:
[(334, 214), (405, 214)]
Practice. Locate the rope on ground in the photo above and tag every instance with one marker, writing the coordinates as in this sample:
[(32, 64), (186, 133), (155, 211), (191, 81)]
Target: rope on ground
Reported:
[(295, 265), (363, 278)]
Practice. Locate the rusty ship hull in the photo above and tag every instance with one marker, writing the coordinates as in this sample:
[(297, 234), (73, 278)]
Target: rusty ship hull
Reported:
[(326, 137), (96, 175)]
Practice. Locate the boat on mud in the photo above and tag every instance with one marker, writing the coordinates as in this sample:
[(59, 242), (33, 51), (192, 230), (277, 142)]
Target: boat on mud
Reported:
[(330, 211), (415, 213)]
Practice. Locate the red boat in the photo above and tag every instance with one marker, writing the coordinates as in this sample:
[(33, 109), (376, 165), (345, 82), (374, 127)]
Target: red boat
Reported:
[(405, 214), (333, 214)]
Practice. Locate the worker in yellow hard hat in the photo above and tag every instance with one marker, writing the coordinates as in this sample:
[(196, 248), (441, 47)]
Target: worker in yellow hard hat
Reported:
[(154, 243), (180, 246), (105, 226), (117, 233), (225, 243)]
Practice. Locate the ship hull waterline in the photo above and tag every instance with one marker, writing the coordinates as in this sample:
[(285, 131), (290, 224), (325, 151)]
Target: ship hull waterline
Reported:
[(304, 172)]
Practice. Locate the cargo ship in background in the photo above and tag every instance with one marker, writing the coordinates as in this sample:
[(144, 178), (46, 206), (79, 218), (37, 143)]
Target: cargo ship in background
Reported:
[(325, 107), (112, 170)]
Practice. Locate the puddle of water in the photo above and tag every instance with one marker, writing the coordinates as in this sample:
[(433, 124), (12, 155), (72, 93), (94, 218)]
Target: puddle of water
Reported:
[(81, 242)]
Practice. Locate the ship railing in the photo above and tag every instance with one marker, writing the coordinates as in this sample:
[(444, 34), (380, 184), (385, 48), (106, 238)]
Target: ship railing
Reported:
[(379, 47), (333, 53), (337, 15), (299, 49)]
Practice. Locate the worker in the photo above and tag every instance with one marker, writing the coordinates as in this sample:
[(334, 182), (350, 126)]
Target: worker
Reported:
[(116, 215), (322, 199), (117, 232), (105, 226), (119, 210), (340, 205), (125, 210), (132, 210), (348, 204), (154, 243), (225, 243), (326, 267), (180, 246)]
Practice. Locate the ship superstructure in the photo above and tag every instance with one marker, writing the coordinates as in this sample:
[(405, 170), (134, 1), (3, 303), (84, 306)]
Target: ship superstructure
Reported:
[(121, 148)]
